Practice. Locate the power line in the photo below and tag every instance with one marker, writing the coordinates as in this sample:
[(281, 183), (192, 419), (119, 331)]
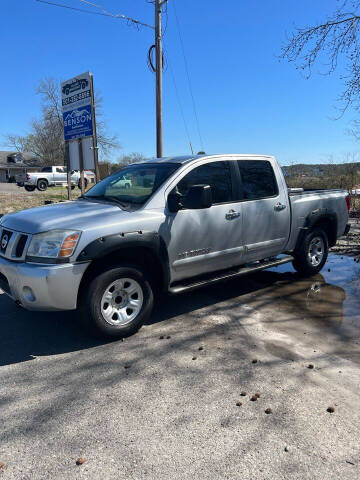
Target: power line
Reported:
[(103, 12), (188, 77), (180, 106)]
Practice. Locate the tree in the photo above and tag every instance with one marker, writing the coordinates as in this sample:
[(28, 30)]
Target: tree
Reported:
[(45, 138), (335, 39), (133, 157)]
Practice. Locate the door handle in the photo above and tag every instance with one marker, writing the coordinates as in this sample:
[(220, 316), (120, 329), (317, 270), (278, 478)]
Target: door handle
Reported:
[(279, 206), (232, 214)]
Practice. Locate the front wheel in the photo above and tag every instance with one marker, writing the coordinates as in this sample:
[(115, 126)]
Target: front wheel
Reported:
[(118, 302), (312, 254)]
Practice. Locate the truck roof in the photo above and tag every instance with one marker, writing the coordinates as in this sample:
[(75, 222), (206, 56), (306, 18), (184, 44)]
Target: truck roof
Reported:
[(189, 158)]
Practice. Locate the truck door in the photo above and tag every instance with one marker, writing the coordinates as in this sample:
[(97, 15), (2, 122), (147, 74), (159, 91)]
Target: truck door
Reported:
[(59, 175), (205, 240), (265, 207)]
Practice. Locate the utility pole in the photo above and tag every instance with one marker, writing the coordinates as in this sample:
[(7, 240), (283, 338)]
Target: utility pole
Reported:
[(158, 4), (159, 67)]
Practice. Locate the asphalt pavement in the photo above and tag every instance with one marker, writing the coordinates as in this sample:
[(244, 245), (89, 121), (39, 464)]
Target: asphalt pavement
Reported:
[(166, 408)]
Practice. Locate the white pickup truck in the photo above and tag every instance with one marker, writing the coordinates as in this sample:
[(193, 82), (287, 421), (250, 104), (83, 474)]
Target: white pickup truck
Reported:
[(51, 177)]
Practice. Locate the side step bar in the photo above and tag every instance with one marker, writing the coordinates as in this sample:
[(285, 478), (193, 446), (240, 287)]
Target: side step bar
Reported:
[(225, 275)]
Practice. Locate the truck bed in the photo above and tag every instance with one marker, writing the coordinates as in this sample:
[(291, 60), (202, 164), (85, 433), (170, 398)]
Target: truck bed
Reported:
[(322, 201)]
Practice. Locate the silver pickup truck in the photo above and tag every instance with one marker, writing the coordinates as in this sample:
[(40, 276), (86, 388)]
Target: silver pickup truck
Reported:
[(183, 223), (54, 176)]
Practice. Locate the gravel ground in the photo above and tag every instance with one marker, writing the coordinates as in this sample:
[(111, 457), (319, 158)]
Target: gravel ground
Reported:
[(165, 408)]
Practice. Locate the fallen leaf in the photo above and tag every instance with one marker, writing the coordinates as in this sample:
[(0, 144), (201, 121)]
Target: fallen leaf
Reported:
[(311, 366), (80, 461), (257, 394), (253, 398), (243, 394), (2, 465), (194, 358), (238, 404), (201, 348), (161, 337), (127, 366), (268, 411), (331, 409), (169, 336), (255, 360)]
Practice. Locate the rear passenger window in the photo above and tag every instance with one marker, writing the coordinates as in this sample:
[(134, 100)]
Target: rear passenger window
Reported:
[(258, 179), (215, 174)]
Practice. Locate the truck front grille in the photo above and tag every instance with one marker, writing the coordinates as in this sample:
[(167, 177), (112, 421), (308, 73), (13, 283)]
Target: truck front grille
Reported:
[(13, 245), (21, 245)]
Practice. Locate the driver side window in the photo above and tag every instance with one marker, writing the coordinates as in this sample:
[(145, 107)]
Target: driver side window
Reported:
[(215, 174)]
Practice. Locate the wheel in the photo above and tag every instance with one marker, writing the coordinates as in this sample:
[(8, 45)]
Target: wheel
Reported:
[(117, 302), (42, 185), (312, 253), (85, 183), (29, 188)]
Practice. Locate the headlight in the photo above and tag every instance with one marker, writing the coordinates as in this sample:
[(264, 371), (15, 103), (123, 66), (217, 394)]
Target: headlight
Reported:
[(54, 244)]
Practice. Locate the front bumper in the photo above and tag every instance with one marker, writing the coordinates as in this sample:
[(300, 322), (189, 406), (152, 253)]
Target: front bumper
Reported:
[(42, 287)]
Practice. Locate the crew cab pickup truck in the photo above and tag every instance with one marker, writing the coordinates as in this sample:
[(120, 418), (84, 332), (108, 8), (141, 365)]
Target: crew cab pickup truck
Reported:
[(195, 221), (50, 177)]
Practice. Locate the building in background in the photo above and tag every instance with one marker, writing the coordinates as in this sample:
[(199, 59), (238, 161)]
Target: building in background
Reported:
[(15, 163)]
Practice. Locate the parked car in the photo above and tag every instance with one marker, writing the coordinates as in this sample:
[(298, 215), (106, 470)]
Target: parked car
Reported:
[(202, 220), (124, 182), (51, 177)]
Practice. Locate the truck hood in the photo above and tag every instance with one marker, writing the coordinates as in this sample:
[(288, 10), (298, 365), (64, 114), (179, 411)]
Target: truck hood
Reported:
[(77, 215)]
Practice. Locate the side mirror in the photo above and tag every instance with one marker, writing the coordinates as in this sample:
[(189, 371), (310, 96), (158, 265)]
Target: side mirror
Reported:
[(173, 201), (198, 196)]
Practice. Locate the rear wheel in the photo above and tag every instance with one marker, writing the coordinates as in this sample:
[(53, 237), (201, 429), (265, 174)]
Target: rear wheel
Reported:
[(313, 252), (85, 183), (42, 185), (118, 302), (29, 188)]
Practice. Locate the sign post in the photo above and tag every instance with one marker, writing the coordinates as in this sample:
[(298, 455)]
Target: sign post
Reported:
[(78, 107)]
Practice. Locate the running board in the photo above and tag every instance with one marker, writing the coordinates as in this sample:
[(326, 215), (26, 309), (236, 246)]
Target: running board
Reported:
[(225, 275)]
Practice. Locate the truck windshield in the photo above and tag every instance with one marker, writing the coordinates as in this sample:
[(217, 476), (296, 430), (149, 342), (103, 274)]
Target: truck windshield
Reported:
[(133, 184)]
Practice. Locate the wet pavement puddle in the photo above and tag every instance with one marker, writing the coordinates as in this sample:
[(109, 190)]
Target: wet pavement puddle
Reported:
[(322, 311)]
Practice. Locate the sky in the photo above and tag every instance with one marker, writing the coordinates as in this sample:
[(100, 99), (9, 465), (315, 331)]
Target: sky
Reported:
[(247, 100)]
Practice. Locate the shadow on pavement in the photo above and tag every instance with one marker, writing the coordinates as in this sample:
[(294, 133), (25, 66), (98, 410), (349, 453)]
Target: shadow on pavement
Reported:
[(29, 334)]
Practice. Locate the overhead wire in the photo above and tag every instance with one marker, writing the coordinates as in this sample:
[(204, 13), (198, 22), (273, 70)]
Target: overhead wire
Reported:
[(188, 77), (180, 107), (103, 12)]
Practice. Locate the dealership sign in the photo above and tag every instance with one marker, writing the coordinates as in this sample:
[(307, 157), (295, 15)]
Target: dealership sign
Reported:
[(78, 114)]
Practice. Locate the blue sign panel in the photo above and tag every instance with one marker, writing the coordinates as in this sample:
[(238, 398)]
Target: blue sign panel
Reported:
[(78, 123)]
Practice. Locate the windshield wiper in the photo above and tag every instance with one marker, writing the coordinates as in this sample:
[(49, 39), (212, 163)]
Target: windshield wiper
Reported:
[(116, 200), (106, 197)]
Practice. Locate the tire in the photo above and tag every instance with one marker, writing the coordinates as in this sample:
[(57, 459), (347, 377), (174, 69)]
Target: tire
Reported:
[(42, 185), (105, 306), (85, 183), (312, 254), (29, 188)]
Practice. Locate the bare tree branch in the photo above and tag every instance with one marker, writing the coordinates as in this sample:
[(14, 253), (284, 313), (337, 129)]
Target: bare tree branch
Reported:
[(328, 42)]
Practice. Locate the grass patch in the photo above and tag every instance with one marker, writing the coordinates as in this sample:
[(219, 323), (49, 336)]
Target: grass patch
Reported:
[(22, 200)]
